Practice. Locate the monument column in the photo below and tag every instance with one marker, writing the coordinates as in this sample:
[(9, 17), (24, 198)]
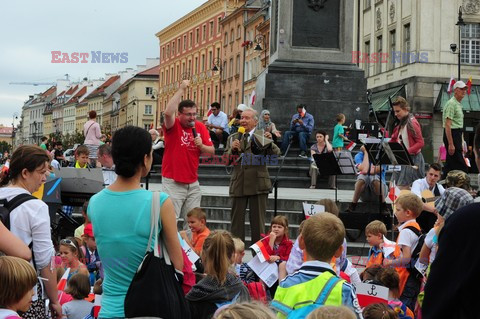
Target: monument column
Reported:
[(311, 62)]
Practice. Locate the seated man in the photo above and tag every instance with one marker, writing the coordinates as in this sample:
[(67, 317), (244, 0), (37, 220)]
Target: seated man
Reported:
[(367, 187), (457, 193), (301, 126), (427, 218), (217, 124), (158, 146), (104, 157)]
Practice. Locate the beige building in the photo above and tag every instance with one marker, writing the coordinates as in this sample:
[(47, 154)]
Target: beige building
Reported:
[(190, 48), (405, 48)]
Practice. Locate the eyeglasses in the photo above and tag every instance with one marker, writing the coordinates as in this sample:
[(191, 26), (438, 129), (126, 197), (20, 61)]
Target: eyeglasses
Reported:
[(190, 114), (68, 242)]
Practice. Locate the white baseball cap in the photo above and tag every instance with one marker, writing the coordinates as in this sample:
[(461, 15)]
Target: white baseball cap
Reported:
[(459, 85), (241, 107)]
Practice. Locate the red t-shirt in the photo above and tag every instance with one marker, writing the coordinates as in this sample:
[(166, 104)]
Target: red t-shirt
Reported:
[(181, 156)]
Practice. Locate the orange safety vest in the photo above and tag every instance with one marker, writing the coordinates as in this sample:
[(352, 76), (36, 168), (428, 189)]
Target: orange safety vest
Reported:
[(403, 272)]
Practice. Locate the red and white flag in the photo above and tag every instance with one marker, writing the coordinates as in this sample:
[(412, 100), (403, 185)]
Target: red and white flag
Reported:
[(351, 146), (209, 111), (261, 251), (469, 85), (97, 305), (304, 111), (393, 193), (252, 98), (370, 293), (450, 85), (63, 281)]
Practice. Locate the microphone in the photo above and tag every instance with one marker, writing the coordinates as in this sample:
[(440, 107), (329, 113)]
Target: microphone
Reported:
[(241, 131), (194, 131)]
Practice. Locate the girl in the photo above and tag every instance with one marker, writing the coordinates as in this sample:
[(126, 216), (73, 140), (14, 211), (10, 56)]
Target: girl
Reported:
[(277, 242), (409, 132), (17, 279), (78, 288), (390, 279), (322, 146), (71, 256), (30, 222), (220, 285)]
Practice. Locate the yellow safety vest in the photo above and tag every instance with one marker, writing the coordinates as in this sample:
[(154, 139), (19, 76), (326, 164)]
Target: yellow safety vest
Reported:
[(325, 289)]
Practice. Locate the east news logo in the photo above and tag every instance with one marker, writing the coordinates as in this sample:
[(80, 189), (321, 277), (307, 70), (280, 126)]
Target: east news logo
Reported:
[(94, 56)]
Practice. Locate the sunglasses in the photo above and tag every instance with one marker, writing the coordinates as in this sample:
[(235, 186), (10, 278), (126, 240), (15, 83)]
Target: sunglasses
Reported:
[(68, 242)]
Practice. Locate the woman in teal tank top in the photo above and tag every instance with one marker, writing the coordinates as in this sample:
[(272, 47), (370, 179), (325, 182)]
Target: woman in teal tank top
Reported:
[(120, 216)]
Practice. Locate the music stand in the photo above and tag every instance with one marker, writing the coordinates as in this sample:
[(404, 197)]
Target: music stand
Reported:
[(335, 163), (385, 153)]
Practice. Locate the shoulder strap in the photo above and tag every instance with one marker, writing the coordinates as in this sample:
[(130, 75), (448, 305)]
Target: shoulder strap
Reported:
[(327, 289), (89, 128), (14, 203), (415, 230)]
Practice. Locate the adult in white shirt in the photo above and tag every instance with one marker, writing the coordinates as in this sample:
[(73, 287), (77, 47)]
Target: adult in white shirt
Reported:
[(427, 218), (217, 124), (104, 156), (30, 222)]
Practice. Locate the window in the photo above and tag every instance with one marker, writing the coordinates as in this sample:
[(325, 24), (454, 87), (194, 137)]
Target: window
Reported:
[(148, 109), (210, 59), (163, 53), (230, 70), (406, 43), (166, 77), (197, 35), (148, 91), (232, 35), (216, 93), (470, 49), (204, 32), (146, 127), (208, 96), (173, 48), (184, 42), (168, 51), (218, 53), (237, 65), (229, 102), (236, 99), (211, 28), (195, 70), (393, 53), (224, 73), (178, 72), (225, 38), (190, 40), (239, 31), (203, 62), (219, 24), (178, 45), (379, 54)]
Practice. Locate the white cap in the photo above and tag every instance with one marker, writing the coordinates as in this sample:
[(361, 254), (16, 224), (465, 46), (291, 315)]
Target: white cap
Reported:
[(459, 85), (241, 107)]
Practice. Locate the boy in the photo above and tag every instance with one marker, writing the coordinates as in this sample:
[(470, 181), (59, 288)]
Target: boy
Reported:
[(197, 221), (374, 232), (81, 157), (245, 273), (407, 208), (92, 259), (80, 229), (338, 133), (321, 239)]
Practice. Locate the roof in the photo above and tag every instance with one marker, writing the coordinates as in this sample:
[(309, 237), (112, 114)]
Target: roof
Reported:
[(380, 101), (470, 103), (79, 94), (104, 85), (152, 71), (5, 130)]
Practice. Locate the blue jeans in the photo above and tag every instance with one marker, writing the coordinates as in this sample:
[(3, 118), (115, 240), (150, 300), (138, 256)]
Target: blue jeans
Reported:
[(302, 140)]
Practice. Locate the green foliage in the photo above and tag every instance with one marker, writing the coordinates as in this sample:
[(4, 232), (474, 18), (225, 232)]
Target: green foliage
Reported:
[(4, 146), (68, 140)]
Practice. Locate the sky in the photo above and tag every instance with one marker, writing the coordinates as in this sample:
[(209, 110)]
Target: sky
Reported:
[(32, 29)]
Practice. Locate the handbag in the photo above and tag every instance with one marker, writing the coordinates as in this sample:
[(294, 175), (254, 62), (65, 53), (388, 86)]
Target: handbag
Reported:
[(154, 291)]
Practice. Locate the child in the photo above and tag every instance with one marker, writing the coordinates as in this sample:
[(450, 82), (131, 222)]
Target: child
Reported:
[(245, 310), (321, 238), (407, 208), (390, 279), (338, 132), (277, 243), (92, 259), (220, 286), (81, 158), (379, 311), (295, 260), (79, 231), (197, 221), (245, 273), (331, 312), (374, 232), (17, 280), (78, 288), (71, 256)]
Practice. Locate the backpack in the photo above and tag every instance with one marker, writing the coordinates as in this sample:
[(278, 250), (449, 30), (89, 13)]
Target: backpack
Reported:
[(416, 252), (257, 291), (6, 207)]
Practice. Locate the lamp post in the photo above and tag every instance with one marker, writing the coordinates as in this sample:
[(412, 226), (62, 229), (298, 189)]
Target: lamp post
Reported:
[(453, 46), (259, 39), (155, 98), (14, 117), (217, 67)]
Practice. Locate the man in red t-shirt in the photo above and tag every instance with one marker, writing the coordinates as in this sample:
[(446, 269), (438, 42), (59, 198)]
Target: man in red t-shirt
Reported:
[(182, 152)]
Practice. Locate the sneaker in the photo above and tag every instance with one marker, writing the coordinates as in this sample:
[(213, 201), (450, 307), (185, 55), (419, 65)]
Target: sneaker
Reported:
[(302, 154), (313, 186), (221, 145)]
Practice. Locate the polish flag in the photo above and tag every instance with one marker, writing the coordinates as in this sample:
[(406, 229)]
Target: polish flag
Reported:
[(393, 193), (370, 293), (304, 111), (469, 85), (351, 146), (209, 111), (252, 98), (450, 85), (97, 305), (260, 250), (63, 281)]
